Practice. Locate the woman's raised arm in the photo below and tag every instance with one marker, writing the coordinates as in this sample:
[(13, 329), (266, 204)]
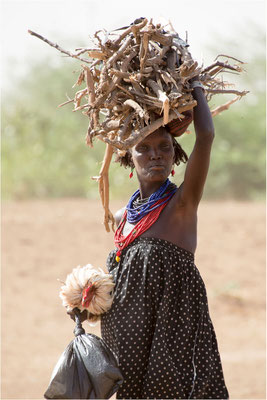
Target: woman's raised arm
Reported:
[(198, 163)]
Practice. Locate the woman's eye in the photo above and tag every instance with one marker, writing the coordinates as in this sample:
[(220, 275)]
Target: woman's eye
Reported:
[(142, 148), (166, 146)]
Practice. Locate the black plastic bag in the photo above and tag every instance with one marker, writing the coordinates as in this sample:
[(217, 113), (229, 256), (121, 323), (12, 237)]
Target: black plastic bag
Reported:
[(87, 369)]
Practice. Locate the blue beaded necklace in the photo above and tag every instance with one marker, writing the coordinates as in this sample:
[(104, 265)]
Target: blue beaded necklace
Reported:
[(135, 214)]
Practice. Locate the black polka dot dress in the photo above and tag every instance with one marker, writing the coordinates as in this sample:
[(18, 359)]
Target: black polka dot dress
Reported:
[(159, 325)]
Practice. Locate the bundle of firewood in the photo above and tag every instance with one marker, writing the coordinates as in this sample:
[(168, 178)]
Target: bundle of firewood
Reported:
[(136, 79)]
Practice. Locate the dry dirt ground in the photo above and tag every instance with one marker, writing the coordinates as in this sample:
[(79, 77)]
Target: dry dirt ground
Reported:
[(43, 240)]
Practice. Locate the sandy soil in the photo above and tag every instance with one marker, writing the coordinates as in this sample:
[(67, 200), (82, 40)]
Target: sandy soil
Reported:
[(43, 241)]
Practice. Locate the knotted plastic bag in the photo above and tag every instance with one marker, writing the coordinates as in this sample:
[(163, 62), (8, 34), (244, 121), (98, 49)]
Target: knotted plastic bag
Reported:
[(87, 369)]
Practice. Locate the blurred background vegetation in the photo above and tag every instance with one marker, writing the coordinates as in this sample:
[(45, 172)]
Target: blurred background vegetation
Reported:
[(43, 147)]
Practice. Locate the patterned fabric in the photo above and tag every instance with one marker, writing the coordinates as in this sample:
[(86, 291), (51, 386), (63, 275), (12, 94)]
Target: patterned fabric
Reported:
[(159, 325)]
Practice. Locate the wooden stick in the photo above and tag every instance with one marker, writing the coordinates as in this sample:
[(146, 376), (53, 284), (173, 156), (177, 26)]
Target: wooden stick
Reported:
[(110, 125), (157, 59), (103, 186), (117, 79), (89, 85), (221, 64), (149, 99), (78, 97), (162, 97), (123, 130), (80, 79), (143, 50), (81, 107), (137, 136), (223, 107), (233, 58), (165, 40), (185, 107), (137, 28), (66, 102), (124, 90), (227, 91), (116, 72), (136, 107), (56, 46), (118, 53)]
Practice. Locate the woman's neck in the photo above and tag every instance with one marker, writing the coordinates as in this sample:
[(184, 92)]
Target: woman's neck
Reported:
[(147, 189)]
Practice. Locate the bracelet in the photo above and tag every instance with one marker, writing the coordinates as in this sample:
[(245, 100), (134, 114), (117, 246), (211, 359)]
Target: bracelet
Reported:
[(195, 84)]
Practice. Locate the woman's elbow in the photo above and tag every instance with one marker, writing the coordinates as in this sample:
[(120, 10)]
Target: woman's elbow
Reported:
[(210, 131), (211, 134), (206, 136)]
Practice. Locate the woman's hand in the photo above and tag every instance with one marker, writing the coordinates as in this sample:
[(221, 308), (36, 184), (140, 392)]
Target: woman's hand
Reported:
[(195, 78), (82, 315)]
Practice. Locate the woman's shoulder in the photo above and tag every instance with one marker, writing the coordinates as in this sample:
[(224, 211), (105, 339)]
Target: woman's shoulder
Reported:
[(178, 204), (118, 215)]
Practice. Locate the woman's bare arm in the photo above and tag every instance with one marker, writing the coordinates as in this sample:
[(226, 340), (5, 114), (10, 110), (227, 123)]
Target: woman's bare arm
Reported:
[(198, 163)]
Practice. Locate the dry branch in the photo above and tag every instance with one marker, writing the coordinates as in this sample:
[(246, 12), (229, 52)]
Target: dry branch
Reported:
[(226, 91), (56, 46), (224, 107), (103, 183)]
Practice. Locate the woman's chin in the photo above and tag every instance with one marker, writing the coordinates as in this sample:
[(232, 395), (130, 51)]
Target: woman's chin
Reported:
[(157, 175)]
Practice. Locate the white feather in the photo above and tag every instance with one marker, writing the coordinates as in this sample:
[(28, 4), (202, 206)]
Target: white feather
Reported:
[(79, 279)]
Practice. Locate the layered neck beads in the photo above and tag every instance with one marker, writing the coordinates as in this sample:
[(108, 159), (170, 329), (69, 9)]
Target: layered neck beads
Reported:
[(143, 213), (137, 208)]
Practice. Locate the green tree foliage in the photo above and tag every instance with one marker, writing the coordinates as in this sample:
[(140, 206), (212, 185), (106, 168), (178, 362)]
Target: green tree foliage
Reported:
[(238, 158), (44, 152)]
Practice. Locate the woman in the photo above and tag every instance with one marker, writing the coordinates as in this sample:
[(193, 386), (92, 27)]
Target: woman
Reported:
[(159, 324)]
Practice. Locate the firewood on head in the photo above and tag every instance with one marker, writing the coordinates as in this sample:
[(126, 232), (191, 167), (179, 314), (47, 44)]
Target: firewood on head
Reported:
[(139, 77)]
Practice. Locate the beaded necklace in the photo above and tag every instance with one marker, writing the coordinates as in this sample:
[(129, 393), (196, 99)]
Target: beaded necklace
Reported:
[(137, 212), (143, 224)]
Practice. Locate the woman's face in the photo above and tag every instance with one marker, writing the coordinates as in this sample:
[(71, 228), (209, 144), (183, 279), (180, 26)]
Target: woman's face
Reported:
[(154, 156)]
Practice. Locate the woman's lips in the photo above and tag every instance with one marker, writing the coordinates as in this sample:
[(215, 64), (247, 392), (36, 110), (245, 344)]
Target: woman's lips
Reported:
[(157, 167)]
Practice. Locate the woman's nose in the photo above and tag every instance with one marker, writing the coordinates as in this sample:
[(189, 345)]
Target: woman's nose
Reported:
[(155, 154)]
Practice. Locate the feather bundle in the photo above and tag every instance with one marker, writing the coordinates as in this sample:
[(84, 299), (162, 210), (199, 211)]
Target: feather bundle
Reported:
[(88, 288)]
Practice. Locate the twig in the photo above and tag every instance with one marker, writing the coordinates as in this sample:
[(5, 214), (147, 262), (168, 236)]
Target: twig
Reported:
[(66, 102), (56, 46), (103, 185), (232, 58), (162, 97), (227, 91), (89, 84), (224, 107), (221, 64)]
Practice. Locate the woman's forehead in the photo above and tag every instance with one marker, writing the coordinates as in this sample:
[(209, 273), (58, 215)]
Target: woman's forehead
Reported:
[(157, 135)]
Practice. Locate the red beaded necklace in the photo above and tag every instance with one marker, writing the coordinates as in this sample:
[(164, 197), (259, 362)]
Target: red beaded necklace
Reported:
[(123, 241)]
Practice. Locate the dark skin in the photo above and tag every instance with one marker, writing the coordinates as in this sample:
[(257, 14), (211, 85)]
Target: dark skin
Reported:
[(153, 161)]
